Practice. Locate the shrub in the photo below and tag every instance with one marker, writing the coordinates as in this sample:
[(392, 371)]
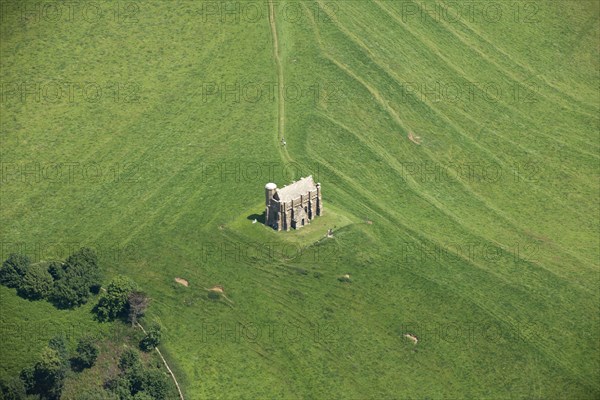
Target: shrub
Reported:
[(65, 294), (135, 377), (59, 343), (83, 264), (129, 359), (114, 301), (143, 396), (152, 338), (75, 279), (137, 382), (156, 384), (12, 389), (119, 387), (37, 282), (55, 268), (13, 270), (87, 352), (46, 377), (92, 393)]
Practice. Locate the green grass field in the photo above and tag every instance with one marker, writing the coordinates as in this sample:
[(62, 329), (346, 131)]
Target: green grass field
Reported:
[(482, 240)]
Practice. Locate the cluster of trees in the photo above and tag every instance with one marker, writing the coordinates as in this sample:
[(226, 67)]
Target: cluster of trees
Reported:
[(122, 299), (115, 301), (69, 284), (66, 284), (136, 382), (45, 379)]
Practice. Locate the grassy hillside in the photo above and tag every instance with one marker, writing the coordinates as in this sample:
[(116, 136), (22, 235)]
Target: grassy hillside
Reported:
[(482, 240)]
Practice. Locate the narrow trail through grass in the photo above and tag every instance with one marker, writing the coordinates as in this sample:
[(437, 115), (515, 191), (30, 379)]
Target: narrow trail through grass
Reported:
[(166, 365), (280, 85)]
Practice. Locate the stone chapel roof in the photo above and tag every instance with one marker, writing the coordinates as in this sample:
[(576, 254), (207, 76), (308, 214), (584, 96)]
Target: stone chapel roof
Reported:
[(293, 191)]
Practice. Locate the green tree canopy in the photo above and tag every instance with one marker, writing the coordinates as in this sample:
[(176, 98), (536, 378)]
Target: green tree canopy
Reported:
[(87, 352), (56, 270), (156, 384), (143, 396), (12, 389), (46, 377), (129, 359), (37, 283), (84, 264), (75, 279), (13, 270), (59, 343), (152, 338), (114, 301)]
